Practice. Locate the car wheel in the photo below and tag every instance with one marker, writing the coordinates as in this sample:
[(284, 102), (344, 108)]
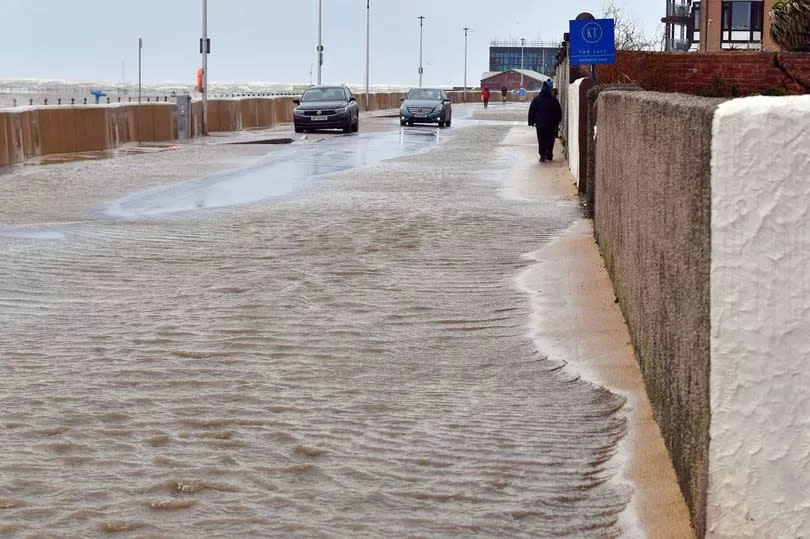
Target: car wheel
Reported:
[(402, 123), (356, 126), (447, 123), (348, 128), (299, 129), (441, 124)]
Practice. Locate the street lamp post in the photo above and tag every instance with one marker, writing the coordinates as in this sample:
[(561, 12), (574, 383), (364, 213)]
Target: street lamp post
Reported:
[(320, 40), (466, 31), (421, 69), (368, 43), (205, 50), (140, 91), (522, 49)]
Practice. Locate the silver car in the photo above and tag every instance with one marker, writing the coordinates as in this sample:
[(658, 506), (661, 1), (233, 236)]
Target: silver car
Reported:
[(426, 106)]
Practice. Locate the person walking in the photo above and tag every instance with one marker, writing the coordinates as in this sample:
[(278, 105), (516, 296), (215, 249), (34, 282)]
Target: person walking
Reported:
[(504, 91), (545, 115), (485, 95)]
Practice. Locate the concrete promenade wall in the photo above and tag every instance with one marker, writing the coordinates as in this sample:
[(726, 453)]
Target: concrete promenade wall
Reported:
[(701, 214), (246, 113), (759, 461), (652, 221), (46, 130)]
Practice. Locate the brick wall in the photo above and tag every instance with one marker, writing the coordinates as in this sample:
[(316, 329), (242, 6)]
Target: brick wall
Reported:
[(742, 73)]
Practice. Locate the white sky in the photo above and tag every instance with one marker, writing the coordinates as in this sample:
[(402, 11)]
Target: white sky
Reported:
[(274, 40)]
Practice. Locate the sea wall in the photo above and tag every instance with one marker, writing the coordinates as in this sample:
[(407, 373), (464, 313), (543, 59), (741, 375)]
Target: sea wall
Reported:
[(35, 131), (701, 210)]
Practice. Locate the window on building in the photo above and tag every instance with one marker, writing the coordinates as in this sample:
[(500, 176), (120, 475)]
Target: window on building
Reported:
[(742, 21), (695, 22)]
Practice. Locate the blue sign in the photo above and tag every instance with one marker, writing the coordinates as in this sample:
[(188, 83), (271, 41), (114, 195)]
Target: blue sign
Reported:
[(522, 92), (593, 42)]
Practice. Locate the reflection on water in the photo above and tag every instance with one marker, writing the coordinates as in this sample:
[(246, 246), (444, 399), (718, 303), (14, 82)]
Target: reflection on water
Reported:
[(276, 175), (351, 361), (26, 233)]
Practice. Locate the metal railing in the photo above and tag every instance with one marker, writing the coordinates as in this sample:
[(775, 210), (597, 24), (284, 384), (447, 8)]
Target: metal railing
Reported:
[(681, 45), (677, 9)]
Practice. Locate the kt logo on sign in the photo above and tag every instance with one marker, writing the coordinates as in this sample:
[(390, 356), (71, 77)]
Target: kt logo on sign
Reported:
[(592, 33)]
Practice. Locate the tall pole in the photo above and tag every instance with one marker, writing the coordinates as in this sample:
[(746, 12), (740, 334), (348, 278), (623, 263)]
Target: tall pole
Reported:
[(421, 69), (368, 44), (466, 31), (204, 50), (320, 40), (140, 91), (522, 48)]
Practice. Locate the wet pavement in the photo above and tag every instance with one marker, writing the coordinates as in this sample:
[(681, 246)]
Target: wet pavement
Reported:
[(291, 169), (323, 339)]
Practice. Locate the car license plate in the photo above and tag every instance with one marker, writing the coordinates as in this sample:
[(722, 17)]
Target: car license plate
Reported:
[(319, 118), (421, 115)]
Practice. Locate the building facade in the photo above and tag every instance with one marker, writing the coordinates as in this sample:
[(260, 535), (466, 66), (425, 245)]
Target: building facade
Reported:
[(532, 55), (514, 79), (718, 25)]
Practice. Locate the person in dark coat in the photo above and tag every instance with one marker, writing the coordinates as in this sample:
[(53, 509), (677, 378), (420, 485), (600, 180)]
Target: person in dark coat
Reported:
[(545, 115)]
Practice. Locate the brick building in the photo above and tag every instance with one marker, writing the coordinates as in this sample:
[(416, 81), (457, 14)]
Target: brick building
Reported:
[(717, 25), (514, 79)]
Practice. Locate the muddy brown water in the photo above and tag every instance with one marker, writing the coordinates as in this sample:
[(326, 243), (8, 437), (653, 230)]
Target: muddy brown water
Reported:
[(350, 360)]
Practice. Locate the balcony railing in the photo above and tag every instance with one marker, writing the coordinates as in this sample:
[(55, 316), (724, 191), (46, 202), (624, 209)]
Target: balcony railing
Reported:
[(677, 10), (680, 45)]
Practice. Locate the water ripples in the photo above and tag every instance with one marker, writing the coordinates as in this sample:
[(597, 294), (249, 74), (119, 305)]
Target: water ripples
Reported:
[(350, 361)]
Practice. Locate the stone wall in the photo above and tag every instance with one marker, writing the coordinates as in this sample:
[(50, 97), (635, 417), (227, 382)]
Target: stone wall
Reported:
[(701, 213), (652, 220), (588, 161)]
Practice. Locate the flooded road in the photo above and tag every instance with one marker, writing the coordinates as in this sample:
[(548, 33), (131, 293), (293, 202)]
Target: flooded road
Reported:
[(342, 356), (278, 174)]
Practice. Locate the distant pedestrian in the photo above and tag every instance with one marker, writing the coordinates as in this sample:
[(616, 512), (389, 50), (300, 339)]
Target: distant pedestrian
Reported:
[(485, 95), (545, 115), (504, 91)]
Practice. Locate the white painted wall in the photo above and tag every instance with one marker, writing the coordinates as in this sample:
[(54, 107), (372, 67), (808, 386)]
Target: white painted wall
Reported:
[(573, 128), (759, 467)]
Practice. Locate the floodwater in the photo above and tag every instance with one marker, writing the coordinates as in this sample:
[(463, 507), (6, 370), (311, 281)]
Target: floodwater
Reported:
[(349, 359), (291, 169)]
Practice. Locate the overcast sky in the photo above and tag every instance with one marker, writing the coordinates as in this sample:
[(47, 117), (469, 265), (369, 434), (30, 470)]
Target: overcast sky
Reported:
[(274, 40)]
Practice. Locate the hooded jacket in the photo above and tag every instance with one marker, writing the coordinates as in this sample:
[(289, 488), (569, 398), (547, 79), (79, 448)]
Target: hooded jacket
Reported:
[(545, 111)]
